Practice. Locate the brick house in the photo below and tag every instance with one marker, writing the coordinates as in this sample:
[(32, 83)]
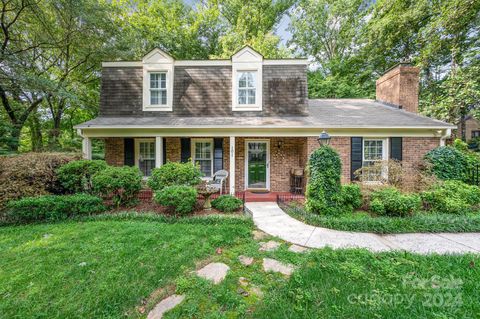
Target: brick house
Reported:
[(252, 117)]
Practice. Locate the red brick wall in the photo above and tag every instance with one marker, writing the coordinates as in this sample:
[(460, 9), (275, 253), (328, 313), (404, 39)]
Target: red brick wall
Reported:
[(114, 151), (294, 152), (399, 86)]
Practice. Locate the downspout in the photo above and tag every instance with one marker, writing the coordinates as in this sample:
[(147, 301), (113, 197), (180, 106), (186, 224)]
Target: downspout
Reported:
[(447, 134)]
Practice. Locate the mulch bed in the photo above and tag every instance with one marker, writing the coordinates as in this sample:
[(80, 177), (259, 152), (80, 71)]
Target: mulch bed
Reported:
[(146, 206)]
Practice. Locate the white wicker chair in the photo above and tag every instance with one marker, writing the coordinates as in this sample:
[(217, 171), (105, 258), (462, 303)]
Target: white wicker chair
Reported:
[(219, 180)]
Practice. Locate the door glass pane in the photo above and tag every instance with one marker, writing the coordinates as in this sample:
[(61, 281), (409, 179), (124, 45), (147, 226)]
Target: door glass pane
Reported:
[(203, 157), (257, 165), (146, 157)]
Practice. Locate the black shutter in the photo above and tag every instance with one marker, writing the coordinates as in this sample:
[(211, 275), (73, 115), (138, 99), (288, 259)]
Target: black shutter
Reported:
[(396, 148), (217, 154), (356, 155), (185, 149), (129, 151), (164, 150)]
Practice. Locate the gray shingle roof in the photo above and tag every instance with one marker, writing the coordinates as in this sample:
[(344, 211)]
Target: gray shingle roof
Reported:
[(323, 113)]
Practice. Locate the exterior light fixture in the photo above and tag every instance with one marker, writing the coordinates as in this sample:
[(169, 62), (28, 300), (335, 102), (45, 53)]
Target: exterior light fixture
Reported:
[(324, 139)]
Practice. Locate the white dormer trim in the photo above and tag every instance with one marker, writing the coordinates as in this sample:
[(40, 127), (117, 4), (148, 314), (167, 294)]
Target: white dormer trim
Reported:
[(157, 61), (247, 59)]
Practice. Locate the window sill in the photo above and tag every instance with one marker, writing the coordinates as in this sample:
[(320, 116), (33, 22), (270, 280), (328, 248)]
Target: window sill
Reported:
[(157, 108), (247, 108)]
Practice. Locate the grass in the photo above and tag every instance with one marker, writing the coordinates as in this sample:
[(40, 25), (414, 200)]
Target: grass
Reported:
[(130, 257), (364, 222), (101, 268)]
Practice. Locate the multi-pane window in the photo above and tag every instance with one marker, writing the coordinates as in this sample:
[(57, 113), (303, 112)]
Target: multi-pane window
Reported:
[(475, 134), (373, 152), (158, 88), (203, 156), (146, 157), (247, 87)]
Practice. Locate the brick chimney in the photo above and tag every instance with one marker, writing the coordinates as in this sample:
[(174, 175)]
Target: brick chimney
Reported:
[(399, 86)]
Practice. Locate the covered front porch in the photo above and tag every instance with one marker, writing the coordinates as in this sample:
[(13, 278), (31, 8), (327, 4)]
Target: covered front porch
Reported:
[(260, 166)]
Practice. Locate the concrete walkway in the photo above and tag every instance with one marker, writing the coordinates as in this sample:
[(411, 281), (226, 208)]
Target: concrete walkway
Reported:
[(269, 218)]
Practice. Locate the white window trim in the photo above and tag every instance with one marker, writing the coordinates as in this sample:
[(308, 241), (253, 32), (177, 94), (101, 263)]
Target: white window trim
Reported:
[(247, 67), (192, 151), (159, 89), (137, 152), (385, 152), (157, 68)]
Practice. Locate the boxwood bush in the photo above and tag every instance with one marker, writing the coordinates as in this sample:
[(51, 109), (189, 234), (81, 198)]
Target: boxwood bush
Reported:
[(323, 188), (173, 173), (351, 197), (76, 176), (227, 203), (452, 197), (391, 202), (121, 183), (53, 207), (181, 198)]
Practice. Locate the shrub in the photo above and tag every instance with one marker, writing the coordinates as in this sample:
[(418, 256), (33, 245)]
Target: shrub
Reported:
[(76, 176), (447, 163), (323, 189), (180, 197), (53, 207), (227, 203), (30, 174), (351, 197), (452, 197), (390, 202), (173, 173), (122, 183)]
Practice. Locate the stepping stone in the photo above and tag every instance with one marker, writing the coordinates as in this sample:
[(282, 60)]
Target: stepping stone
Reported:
[(276, 266), (256, 291), (243, 281), (297, 249), (269, 245), (259, 235), (245, 260), (164, 306), (215, 272)]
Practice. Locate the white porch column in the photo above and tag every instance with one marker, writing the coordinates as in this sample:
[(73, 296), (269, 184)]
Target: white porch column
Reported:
[(158, 151), (232, 165), (87, 148)]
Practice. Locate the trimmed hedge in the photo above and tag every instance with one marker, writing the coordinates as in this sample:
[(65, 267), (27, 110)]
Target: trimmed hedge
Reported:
[(76, 176), (181, 198), (351, 197), (122, 183), (452, 197), (31, 174), (53, 207), (390, 202), (323, 188), (227, 203), (173, 173)]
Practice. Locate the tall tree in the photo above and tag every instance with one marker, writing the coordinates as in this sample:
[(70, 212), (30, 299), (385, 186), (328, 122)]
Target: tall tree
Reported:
[(251, 23), (25, 36)]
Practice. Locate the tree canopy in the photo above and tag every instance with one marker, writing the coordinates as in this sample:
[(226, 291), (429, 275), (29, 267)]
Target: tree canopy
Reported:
[(51, 51)]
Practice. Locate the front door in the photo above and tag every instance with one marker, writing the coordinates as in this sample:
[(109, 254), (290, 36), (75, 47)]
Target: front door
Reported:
[(145, 155), (257, 165)]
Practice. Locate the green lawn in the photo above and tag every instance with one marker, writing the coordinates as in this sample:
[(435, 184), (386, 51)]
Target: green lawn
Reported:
[(100, 269), (128, 258), (364, 222)]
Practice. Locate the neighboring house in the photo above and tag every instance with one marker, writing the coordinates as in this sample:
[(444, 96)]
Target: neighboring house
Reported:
[(252, 117), (471, 130)]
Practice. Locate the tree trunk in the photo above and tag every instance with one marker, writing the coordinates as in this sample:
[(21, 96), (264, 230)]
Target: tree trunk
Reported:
[(36, 134), (54, 134)]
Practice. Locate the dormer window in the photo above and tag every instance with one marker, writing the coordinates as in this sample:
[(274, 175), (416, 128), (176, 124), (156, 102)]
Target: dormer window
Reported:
[(158, 79), (247, 80), (247, 87), (158, 88)]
